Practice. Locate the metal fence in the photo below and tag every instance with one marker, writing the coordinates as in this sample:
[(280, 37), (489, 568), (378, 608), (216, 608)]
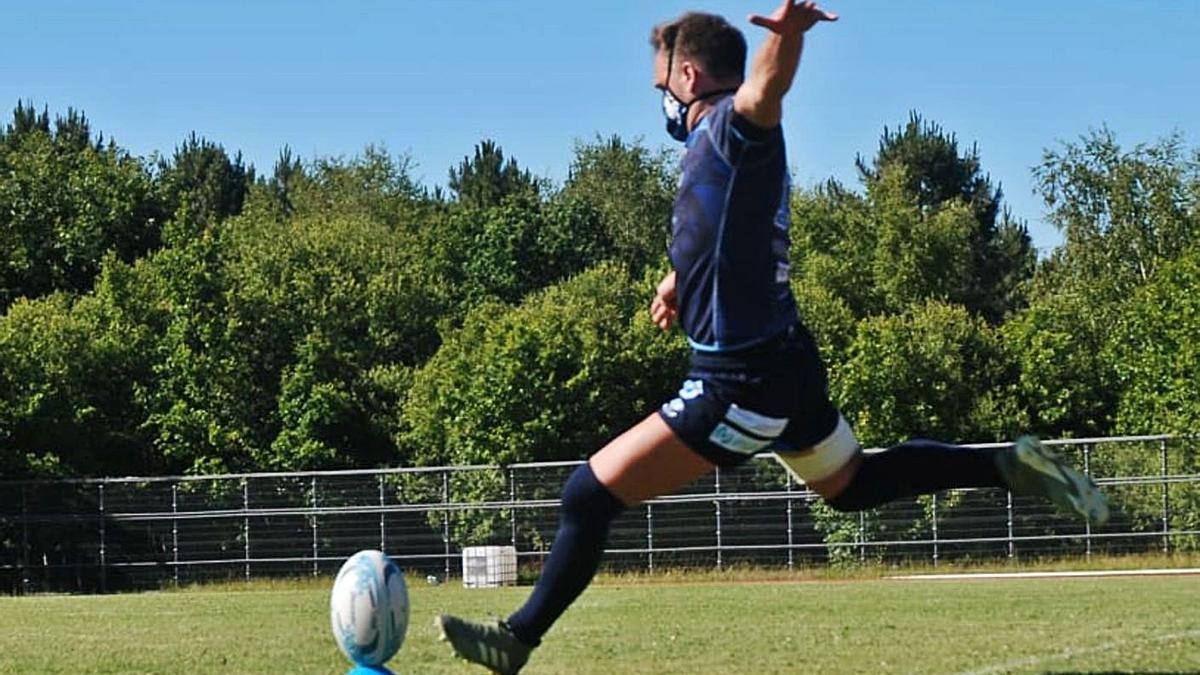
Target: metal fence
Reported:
[(117, 533)]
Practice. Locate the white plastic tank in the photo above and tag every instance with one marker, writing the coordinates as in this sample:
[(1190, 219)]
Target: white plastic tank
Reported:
[(489, 566)]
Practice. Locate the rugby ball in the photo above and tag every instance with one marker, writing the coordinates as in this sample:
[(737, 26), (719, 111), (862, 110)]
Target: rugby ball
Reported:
[(368, 608)]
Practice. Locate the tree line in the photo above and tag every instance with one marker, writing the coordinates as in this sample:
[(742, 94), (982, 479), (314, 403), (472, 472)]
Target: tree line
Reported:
[(184, 313)]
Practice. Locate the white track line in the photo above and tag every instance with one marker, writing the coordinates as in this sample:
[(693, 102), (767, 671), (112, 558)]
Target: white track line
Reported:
[(1069, 653), (1049, 575)]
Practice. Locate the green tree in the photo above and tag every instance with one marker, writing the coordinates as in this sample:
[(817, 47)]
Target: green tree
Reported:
[(1156, 354), (938, 175), (1122, 213), (1156, 357), (69, 372), (1067, 386), (198, 407), (632, 190), (828, 317), (934, 371), (204, 180), (506, 251), (375, 184), (1124, 216), (553, 378), (64, 203), (327, 314), (831, 231), (918, 254), (487, 178)]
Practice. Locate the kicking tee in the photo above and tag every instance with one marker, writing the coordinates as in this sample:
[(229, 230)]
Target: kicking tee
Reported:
[(729, 234)]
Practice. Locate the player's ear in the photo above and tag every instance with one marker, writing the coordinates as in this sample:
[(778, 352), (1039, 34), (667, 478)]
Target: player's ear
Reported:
[(690, 75)]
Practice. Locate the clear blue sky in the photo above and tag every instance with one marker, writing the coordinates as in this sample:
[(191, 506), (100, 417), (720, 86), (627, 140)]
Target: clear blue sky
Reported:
[(431, 78)]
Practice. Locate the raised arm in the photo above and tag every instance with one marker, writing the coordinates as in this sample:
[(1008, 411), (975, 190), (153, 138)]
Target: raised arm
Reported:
[(760, 98)]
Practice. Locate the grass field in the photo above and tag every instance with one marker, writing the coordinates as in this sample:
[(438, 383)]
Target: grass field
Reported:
[(705, 624)]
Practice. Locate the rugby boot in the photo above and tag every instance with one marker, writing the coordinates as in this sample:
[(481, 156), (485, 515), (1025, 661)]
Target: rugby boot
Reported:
[(1030, 468), (490, 644)]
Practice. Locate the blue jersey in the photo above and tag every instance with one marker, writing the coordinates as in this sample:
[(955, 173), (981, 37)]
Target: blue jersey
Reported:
[(729, 234)]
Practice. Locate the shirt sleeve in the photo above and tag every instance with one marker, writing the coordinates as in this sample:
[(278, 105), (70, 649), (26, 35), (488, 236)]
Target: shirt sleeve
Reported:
[(740, 141)]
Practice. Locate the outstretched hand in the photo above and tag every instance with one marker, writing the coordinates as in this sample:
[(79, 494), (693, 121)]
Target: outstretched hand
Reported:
[(793, 18)]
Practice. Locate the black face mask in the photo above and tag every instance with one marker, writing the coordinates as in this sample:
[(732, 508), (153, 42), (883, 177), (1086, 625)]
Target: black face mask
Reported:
[(675, 110)]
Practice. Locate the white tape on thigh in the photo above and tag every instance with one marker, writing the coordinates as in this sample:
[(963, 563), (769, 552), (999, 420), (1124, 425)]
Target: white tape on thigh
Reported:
[(825, 458)]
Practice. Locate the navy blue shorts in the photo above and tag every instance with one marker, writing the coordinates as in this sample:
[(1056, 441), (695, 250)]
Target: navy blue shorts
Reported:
[(772, 396)]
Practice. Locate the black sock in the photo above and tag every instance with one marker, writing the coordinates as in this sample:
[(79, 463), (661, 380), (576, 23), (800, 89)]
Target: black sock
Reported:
[(915, 468), (587, 510)]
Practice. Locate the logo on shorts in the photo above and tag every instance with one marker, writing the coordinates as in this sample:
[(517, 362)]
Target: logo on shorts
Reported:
[(690, 390), (745, 431), (673, 407)]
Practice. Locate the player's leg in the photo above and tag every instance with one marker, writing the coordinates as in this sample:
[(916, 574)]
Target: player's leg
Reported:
[(819, 448), (645, 461), (852, 480), (825, 454)]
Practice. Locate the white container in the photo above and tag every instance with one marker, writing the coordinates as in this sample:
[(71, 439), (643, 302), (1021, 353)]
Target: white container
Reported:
[(489, 566)]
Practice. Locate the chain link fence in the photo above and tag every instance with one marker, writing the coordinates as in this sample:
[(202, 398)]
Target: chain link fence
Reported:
[(108, 534)]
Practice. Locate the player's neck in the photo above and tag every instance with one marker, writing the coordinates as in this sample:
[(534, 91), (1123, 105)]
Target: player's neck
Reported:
[(700, 107), (696, 112)]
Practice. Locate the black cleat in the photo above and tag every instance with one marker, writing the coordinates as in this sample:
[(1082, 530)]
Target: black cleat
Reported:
[(1029, 468), (491, 644)]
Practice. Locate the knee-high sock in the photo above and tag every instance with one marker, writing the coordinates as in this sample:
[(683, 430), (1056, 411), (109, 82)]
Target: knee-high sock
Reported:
[(588, 509), (917, 467)]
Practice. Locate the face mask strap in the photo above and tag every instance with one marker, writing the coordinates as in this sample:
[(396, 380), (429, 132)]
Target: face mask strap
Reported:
[(701, 97)]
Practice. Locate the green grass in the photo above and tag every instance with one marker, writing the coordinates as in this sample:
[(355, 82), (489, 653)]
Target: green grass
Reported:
[(736, 622)]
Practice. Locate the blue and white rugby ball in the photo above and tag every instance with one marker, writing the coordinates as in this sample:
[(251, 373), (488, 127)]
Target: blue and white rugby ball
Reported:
[(369, 608)]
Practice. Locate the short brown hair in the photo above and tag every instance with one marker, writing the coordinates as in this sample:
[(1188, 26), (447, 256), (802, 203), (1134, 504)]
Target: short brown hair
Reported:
[(707, 38)]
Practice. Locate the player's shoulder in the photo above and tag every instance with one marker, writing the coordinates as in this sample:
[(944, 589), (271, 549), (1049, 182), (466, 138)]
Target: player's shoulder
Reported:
[(737, 138), (722, 113)]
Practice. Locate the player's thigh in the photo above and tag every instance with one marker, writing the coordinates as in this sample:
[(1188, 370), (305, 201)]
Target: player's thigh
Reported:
[(646, 461)]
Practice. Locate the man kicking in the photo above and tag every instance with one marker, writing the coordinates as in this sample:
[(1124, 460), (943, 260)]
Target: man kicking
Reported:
[(756, 380)]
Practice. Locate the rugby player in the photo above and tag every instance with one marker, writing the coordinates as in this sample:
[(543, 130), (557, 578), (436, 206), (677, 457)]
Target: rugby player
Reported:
[(756, 381)]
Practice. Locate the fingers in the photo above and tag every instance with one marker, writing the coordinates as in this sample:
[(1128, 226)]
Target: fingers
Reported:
[(808, 12), (822, 15), (661, 313), (811, 9)]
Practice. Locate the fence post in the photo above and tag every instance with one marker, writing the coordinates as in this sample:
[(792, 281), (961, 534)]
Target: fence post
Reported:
[(175, 533), (314, 526), (862, 536), (512, 500), (382, 505), (935, 530), (1166, 504), (446, 521), (246, 525), (790, 531), (103, 553), (1011, 545), (1087, 523), (650, 537), (25, 582), (717, 504)]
